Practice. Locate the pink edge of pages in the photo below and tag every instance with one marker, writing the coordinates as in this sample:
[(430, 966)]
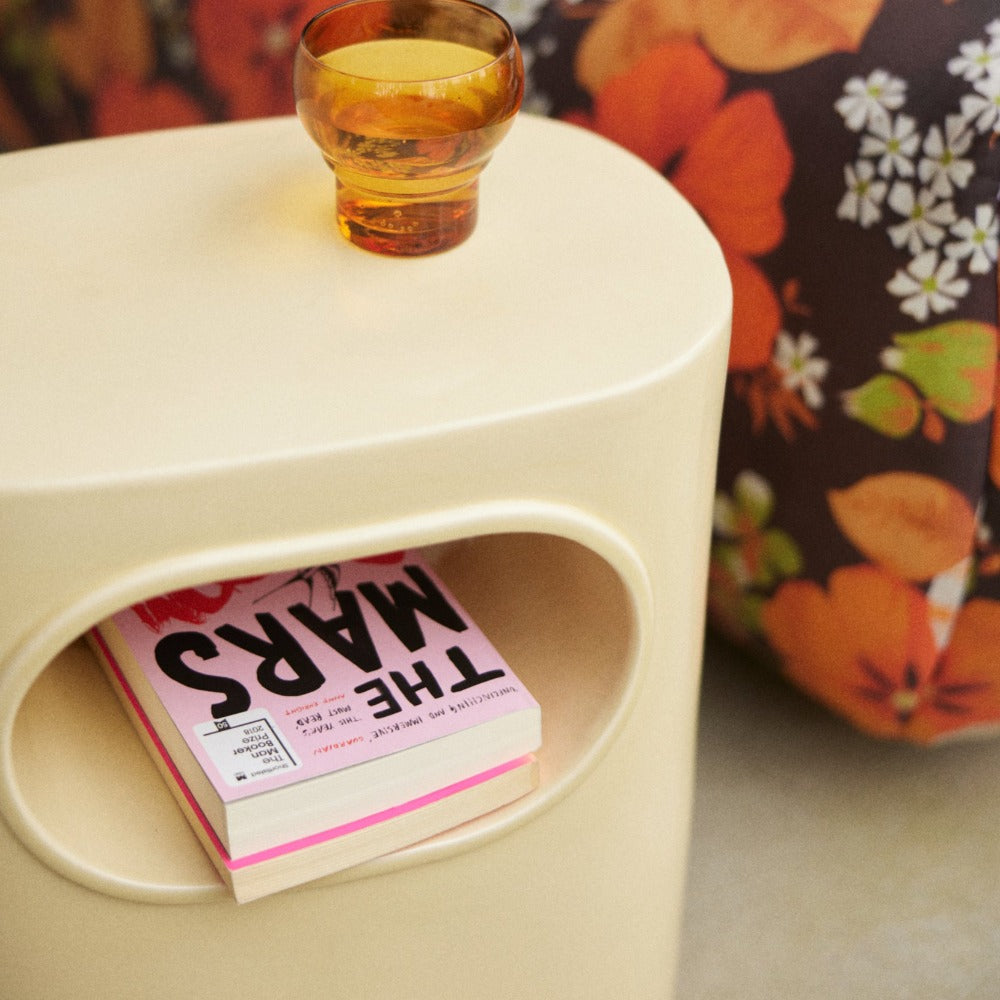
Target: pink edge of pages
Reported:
[(376, 818), (234, 864)]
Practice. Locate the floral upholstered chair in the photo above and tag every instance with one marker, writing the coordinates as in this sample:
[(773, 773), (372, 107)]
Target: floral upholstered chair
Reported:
[(847, 157)]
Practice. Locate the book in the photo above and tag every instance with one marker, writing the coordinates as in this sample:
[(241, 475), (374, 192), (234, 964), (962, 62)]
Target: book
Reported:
[(305, 719), (285, 866)]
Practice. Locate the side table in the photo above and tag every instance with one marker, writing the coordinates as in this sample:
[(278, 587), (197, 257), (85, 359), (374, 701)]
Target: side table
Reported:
[(202, 380)]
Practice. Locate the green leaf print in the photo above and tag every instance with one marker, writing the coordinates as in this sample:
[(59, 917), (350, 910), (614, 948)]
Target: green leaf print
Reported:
[(943, 372), (952, 365), (885, 403), (749, 558)]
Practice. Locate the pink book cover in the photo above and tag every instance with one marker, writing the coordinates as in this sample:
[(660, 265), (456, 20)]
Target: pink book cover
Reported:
[(277, 679)]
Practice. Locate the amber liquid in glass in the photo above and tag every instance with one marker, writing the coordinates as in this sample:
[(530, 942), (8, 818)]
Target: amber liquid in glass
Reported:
[(409, 124)]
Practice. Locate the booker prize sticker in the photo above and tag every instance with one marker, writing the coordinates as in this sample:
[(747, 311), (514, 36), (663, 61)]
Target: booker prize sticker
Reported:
[(246, 747)]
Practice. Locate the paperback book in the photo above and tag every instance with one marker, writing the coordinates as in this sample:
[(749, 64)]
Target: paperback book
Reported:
[(307, 721)]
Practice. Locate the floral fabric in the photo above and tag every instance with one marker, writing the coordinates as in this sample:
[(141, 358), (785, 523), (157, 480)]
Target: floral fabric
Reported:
[(847, 157)]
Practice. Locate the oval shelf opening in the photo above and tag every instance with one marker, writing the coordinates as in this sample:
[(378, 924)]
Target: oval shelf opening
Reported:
[(558, 612)]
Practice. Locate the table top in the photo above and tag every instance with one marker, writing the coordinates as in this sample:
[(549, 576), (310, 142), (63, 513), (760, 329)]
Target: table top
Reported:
[(173, 289), (826, 864)]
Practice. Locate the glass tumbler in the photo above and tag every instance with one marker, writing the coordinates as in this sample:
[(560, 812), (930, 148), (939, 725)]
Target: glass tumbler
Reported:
[(407, 99)]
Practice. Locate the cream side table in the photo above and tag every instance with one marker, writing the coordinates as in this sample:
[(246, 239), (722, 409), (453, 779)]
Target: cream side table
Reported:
[(201, 380)]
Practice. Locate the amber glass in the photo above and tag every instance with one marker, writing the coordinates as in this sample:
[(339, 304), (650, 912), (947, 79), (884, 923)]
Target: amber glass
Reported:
[(407, 99)]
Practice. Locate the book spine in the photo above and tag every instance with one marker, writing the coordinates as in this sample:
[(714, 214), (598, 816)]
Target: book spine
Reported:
[(159, 753)]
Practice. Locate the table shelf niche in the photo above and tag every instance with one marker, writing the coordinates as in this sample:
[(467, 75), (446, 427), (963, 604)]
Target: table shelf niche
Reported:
[(557, 611)]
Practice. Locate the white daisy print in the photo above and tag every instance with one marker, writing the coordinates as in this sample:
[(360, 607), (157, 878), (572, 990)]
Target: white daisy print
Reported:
[(865, 194), (870, 100), (800, 370), (982, 109), (977, 59), (977, 240), (752, 494), (893, 143), (928, 285), (521, 14), (926, 222), (942, 168)]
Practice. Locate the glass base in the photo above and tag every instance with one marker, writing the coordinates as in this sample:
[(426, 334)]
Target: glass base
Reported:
[(407, 228)]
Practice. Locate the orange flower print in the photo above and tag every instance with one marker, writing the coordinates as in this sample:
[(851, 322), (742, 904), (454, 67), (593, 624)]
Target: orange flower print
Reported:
[(866, 648), (994, 458), (729, 158), (126, 105), (96, 39), (247, 50), (659, 104), (756, 36)]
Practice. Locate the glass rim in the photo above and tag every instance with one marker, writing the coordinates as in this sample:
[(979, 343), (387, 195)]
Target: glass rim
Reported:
[(479, 8)]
